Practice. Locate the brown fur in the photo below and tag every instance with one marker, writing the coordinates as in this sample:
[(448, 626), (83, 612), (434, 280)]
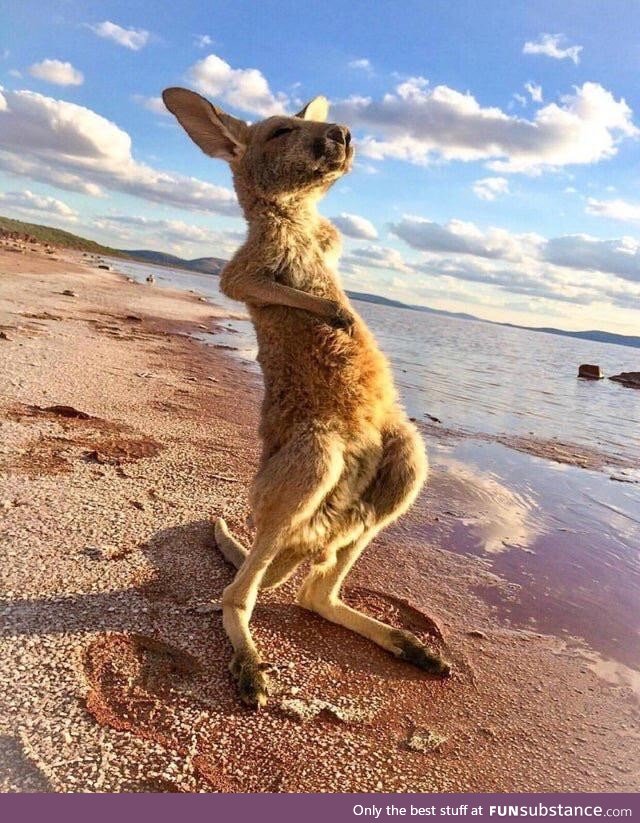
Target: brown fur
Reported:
[(340, 459)]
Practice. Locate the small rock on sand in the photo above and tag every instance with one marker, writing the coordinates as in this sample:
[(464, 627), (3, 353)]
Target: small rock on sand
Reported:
[(590, 372), (103, 266), (425, 741), (65, 411), (631, 379), (70, 293), (308, 709)]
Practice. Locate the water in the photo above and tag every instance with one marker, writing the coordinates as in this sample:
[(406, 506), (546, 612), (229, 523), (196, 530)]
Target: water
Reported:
[(569, 538), (499, 380), (481, 377)]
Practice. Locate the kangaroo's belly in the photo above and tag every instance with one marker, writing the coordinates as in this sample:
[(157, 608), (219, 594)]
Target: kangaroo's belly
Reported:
[(313, 372)]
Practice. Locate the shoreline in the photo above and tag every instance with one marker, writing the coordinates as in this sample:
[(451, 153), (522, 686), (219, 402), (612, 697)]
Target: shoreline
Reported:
[(114, 666)]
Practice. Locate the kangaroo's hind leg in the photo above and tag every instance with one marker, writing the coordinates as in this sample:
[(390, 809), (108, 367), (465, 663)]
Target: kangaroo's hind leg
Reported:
[(321, 593), (393, 489), (288, 490)]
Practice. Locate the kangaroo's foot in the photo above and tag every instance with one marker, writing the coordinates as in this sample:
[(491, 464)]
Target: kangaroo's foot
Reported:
[(411, 649), (401, 643), (253, 683)]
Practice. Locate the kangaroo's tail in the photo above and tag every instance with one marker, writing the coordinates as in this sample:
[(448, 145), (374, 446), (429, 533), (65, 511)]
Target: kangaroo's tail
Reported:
[(232, 550)]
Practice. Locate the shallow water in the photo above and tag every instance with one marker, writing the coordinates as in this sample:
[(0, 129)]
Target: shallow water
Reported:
[(482, 377), (568, 539)]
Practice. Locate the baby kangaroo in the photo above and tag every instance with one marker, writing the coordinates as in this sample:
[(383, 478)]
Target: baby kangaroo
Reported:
[(340, 459)]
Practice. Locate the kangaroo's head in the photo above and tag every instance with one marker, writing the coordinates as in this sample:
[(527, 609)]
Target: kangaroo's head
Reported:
[(278, 160)]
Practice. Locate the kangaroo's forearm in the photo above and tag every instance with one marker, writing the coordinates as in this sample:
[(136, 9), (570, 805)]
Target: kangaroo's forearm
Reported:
[(270, 293), (256, 288)]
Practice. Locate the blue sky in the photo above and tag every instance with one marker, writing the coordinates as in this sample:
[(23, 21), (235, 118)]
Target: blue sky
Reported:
[(498, 153)]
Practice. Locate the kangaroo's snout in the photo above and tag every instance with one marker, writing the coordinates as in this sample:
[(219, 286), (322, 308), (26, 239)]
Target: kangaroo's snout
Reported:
[(339, 134)]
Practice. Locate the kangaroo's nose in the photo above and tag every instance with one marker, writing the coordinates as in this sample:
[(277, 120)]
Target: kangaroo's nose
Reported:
[(340, 134)]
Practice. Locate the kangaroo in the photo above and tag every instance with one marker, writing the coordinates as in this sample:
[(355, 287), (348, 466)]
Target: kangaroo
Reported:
[(340, 459)]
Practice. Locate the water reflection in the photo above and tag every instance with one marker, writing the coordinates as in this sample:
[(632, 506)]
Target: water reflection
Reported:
[(497, 517), (577, 533)]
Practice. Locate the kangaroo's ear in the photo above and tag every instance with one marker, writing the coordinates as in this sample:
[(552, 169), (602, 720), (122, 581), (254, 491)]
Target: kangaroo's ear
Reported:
[(317, 109), (218, 134)]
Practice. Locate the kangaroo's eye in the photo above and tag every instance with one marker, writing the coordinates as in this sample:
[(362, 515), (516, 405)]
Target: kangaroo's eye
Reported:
[(279, 132)]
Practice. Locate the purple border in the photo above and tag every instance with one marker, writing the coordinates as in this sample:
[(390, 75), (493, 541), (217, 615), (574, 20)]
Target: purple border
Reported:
[(308, 808)]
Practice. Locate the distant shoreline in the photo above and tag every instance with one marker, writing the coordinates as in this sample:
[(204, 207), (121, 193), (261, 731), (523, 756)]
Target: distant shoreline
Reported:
[(198, 266), (213, 265)]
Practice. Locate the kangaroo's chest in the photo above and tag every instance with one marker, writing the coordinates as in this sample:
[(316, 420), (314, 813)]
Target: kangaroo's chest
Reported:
[(312, 274)]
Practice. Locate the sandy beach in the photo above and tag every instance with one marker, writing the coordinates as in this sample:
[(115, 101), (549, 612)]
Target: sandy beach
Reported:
[(121, 438)]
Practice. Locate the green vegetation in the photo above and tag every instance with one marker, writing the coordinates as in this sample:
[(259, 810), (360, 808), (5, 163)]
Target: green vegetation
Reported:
[(56, 237)]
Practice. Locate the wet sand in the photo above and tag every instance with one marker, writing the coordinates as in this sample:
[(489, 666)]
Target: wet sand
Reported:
[(113, 665)]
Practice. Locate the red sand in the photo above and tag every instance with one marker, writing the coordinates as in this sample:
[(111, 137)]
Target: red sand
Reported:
[(113, 670)]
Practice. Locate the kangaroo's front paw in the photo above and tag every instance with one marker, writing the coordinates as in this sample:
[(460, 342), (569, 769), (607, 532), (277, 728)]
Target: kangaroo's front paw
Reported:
[(342, 319), (253, 683), (409, 648)]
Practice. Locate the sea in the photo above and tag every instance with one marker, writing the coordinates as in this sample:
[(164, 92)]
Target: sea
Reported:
[(565, 537)]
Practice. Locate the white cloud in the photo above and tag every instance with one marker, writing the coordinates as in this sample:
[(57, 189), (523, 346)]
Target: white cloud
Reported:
[(244, 89), (421, 124), (134, 39), (173, 230), (580, 251), (530, 279), (460, 265), (29, 202), (571, 268), (552, 45), (202, 41), (460, 237), (488, 188), (176, 234), (75, 148), (615, 210), (154, 104), (362, 64), (377, 257), (534, 91), (355, 226), (55, 71), (17, 166)]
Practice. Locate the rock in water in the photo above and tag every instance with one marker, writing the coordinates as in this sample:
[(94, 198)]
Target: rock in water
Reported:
[(590, 372), (628, 378)]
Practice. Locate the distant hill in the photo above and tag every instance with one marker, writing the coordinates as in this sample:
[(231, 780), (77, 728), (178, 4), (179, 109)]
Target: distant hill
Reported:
[(214, 265), (56, 237), (203, 265), (592, 334), (385, 301)]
